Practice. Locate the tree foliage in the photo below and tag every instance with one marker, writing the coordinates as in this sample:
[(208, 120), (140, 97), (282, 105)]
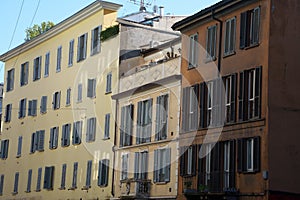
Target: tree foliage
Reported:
[(36, 30)]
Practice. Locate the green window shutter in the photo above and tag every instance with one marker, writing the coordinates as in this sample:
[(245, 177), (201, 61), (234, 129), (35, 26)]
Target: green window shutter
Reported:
[(39, 178), (88, 174), (29, 180)]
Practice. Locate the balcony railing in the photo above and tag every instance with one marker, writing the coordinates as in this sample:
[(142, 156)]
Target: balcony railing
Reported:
[(149, 73), (132, 188)]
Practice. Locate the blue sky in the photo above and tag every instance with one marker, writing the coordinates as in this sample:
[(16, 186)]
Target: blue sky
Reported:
[(58, 10)]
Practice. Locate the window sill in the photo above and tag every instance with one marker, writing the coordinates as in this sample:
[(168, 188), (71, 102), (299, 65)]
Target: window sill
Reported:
[(62, 188), (14, 193), (106, 138), (93, 97), (57, 71), (108, 92), (36, 79), (72, 188), (226, 55), (85, 187), (80, 60), (76, 144), (191, 67), (68, 105), (208, 60), (38, 190), (95, 53), (22, 85), (43, 113), (27, 191), (251, 46), (70, 65), (45, 76), (18, 156), (161, 183)]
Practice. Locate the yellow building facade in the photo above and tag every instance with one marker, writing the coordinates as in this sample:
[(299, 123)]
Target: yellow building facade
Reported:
[(58, 116)]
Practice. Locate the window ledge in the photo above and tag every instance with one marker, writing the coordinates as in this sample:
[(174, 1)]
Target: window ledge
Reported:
[(68, 105), (27, 191), (38, 190), (62, 188), (72, 188), (85, 187), (251, 46), (208, 60), (95, 53), (108, 92), (229, 54), (18, 156), (45, 76), (14, 193), (106, 138), (70, 65), (191, 67), (161, 183)]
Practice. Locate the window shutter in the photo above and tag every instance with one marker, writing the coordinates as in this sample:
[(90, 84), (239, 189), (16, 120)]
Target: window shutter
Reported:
[(41, 140), (182, 161), (149, 121), (1, 184), (156, 170), (255, 26), (63, 176), (227, 38), (85, 44), (256, 153), (139, 122), (90, 88), (214, 41), (242, 97), (232, 35), (92, 42), (1, 149), (195, 106), (106, 127), (243, 30), (184, 109), (32, 147), (78, 49), (39, 178), (203, 105), (122, 126), (233, 98), (39, 67), (29, 180), (34, 107), (99, 39), (16, 182), (88, 174), (137, 165), (240, 155), (26, 73), (48, 178), (158, 124), (74, 180), (232, 164), (194, 161), (58, 99), (19, 146), (130, 124), (168, 164), (100, 170), (258, 88), (51, 138)]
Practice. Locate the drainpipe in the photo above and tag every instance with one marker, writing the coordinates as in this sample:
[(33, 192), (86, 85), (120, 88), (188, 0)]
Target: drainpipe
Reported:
[(220, 40), (113, 149)]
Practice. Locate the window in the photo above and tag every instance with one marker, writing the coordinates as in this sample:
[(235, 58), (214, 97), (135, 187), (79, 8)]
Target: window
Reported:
[(1, 184), (193, 51), (53, 143), (95, 45), (190, 108), (71, 53), (10, 80), (48, 178), (162, 164), (79, 93), (39, 179), (208, 149), (47, 63), (229, 165), (56, 100), (16, 183), (126, 126), (211, 40), (4, 149), (24, 74), (8, 113), (77, 132), (43, 104), (141, 165), (81, 48), (19, 150), (68, 97), (249, 154), (65, 138), (91, 90), (106, 126), (250, 94), (161, 124), (250, 23), (108, 82), (32, 107), (210, 100), (37, 68), (144, 121), (230, 97), (74, 179), (103, 173), (229, 45), (88, 174), (37, 141), (63, 177), (91, 129), (58, 61), (28, 189), (22, 108), (124, 172), (188, 160)]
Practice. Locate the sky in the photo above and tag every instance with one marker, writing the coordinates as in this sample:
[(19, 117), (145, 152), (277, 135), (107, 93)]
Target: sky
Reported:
[(17, 15)]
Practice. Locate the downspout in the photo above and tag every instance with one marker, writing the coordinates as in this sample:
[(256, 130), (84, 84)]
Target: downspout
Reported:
[(220, 40), (113, 149)]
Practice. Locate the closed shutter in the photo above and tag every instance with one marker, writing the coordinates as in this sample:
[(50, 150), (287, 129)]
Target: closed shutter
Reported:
[(29, 180), (34, 107), (85, 45), (130, 124), (194, 160), (185, 109), (139, 122), (99, 39), (63, 176), (108, 82), (242, 97), (88, 174), (1, 184), (106, 127), (258, 88), (78, 49), (19, 146), (203, 105), (255, 26), (256, 154), (232, 35), (26, 73), (39, 178), (48, 177), (100, 169), (232, 164), (41, 139), (32, 147), (227, 38), (39, 67), (233, 98), (195, 107), (158, 118), (149, 121), (240, 155), (122, 126), (213, 42), (29, 108), (182, 161), (137, 165), (90, 88), (168, 164), (6, 148)]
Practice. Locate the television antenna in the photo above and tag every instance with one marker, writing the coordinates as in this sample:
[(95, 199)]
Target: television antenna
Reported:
[(142, 3)]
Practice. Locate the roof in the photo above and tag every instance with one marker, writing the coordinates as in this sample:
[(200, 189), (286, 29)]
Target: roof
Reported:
[(60, 27), (207, 13)]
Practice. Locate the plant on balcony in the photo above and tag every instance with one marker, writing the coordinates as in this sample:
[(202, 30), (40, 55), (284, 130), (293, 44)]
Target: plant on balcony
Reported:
[(109, 32), (203, 188)]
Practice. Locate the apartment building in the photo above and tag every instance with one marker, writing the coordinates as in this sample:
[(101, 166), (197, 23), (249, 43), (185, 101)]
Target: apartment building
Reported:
[(239, 110), (58, 127), (146, 143)]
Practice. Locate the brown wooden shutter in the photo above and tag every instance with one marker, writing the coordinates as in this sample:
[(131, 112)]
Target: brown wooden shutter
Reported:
[(258, 87), (233, 98), (184, 113), (203, 105), (232, 164), (243, 30), (194, 161), (240, 155), (195, 104), (241, 97), (201, 168), (182, 161), (256, 153)]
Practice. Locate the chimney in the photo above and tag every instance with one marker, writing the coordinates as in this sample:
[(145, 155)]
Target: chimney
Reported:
[(161, 11)]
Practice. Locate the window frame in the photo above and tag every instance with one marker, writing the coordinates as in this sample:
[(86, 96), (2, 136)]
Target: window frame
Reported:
[(211, 43), (71, 53), (193, 51), (82, 47), (47, 64), (58, 59), (37, 64), (229, 37), (10, 79), (24, 72), (96, 44)]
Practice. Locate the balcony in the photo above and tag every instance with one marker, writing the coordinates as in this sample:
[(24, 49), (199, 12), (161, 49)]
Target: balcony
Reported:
[(132, 189), (150, 73)]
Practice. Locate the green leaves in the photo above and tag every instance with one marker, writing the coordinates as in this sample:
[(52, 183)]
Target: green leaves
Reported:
[(37, 30)]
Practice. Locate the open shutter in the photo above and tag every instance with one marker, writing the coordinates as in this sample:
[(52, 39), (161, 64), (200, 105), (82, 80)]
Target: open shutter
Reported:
[(88, 174), (194, 160), (158, 125), (139, 122), (107, 121), (63, 176), (39, 68), (240, 155), (74, 180), (168, 165), (85, 45), (1, 184), (29, 180), (195, 107), (227, 38), (100, 169), (233, 98), (203, 105), (136, 165), (149, 120), (19, 146), (92, 42), (258, 87), (99, 39), (33, 146), (185, 109), (256, 154), (182, 161), (16, 184), (243, 30), (122, 126), (242, 97), (155, 171), (26, 73), (39, 178), (255, 26), (232, 164), (41, 140)]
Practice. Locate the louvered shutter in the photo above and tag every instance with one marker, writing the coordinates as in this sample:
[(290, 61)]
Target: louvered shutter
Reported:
[(136, 165), (255, 26), (1, 184), (258, 88), (185, 109), (85, 45), (74, 180), (39, 178), (139, 122), (88, 174), (195, 107), (63, 176), (203, 105), (233, 98), (99, 39), (156, 170), (243, 30), (232, 164), (256, 154), (16, 183), (168, 164), (242, 97), (240, 155), (29, 180)]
